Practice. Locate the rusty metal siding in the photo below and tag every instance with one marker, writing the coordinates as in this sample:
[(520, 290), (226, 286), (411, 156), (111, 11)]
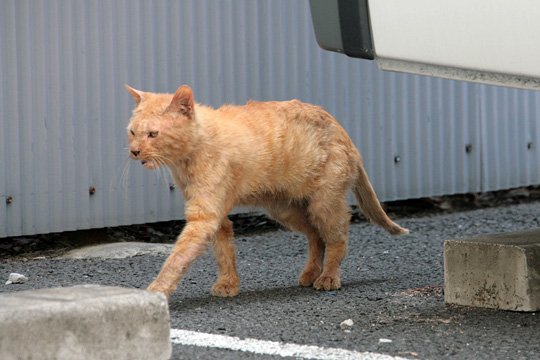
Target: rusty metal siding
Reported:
[(63, 110)]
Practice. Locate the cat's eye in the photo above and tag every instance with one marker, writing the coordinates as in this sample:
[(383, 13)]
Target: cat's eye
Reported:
[(153, 134), (132, 132)]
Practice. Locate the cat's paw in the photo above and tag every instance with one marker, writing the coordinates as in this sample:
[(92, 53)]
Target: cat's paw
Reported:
[(158, 287), (225, 289), (325, 282), (308, 277)]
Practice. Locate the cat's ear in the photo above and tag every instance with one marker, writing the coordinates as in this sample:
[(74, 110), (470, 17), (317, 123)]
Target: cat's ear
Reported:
[(136, 94), (182, 101)]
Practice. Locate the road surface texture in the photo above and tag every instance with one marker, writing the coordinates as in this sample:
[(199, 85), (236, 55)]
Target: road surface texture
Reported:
[(392, 290)]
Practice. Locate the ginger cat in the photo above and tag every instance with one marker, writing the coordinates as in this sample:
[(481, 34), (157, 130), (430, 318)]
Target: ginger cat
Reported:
[(289, 157)]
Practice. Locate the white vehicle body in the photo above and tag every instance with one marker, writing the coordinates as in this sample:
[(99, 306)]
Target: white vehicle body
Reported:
[(486, 41)]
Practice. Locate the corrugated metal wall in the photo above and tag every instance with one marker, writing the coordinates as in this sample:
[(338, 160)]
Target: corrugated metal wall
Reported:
[(63, 110)]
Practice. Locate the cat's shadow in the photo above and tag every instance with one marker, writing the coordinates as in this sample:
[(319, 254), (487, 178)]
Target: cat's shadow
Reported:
[(261, 296)]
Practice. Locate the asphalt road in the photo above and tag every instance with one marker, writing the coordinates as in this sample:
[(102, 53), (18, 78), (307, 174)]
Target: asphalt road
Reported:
[(392, 289)]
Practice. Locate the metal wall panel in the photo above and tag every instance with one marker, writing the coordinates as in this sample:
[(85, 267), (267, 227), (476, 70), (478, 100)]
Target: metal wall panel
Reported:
[(510, 137), (63, 110)]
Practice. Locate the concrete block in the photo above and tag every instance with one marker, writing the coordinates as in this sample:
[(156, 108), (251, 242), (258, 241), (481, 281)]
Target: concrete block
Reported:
[(84, 322), (500, 271)]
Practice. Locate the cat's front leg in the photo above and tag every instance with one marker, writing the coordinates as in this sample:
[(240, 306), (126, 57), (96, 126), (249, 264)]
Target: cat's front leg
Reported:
[(192, 242), (228, 281)]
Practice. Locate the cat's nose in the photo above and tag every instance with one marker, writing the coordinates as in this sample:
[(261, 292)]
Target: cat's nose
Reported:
[(135, 152)]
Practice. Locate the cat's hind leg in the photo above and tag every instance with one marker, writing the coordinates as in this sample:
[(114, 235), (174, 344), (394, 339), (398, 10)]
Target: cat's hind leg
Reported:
[(296, 218), (314, 264), (330, 214), (228, 281)]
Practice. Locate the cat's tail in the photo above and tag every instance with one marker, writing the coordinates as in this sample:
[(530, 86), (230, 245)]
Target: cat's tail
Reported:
[(370, 206)]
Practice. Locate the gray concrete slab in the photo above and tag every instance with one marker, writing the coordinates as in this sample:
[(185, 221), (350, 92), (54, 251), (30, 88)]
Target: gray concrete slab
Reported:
[(500, 271), (119, 250), (84, 322)]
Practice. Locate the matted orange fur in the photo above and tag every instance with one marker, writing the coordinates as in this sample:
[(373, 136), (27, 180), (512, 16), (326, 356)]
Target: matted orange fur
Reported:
[(289, 157)]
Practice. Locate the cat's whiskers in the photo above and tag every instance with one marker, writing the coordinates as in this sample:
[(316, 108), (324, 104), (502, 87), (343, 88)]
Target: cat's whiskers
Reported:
[(160, 159), (125, 174), (125, 167), (120, 177), (162, 173), (162, 163)]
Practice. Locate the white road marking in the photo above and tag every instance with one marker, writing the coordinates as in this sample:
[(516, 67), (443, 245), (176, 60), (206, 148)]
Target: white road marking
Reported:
[(194, 338)]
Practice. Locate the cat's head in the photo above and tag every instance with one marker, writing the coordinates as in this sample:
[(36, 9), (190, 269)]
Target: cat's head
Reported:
[(162, 127)]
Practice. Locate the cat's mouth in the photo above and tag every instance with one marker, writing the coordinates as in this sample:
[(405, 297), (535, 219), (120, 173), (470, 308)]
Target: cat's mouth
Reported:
[(148, 164)]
